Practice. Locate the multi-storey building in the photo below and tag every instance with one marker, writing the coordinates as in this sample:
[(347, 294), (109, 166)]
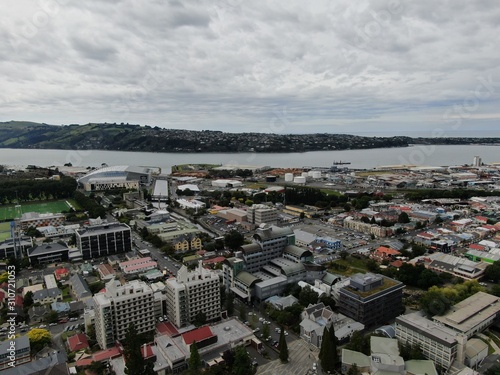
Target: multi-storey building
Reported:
[(48, 253), (438, 343), (15, 247), (260, 213), (269, 244), (21, 349), (121, 305), (472, 315), (191, 293), (35, 220), (371, 299), (102, 240)]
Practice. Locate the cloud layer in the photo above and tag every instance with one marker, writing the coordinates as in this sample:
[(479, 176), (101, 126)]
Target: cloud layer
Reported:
[(271, 66)]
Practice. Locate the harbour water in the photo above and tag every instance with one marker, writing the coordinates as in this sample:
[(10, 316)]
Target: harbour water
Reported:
[(421, 155)]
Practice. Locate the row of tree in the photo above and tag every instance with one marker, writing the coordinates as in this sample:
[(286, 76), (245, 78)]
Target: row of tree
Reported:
[(89, 205), (30, 190)]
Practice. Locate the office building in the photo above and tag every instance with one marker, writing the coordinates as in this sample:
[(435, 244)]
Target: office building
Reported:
[(472, 315), (438, 343), (371, 299), (119, 306), (22, 352), (269, 243), (191, 293), (103, 240), (262, 214), (15, 248), (48, 253)]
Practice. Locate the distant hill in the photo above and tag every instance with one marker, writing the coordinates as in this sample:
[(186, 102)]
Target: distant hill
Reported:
[(125, 137)]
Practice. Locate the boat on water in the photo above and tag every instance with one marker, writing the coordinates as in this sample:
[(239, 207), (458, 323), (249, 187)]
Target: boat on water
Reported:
[(340, 162)]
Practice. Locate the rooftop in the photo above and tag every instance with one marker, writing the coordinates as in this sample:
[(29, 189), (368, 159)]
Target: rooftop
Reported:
[(471, 312), (418, 322)]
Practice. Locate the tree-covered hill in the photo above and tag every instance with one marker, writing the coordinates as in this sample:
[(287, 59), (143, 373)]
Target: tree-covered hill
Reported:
[(125, 137)]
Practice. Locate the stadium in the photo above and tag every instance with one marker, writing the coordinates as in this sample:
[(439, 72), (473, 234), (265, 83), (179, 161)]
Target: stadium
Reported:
[(116, 177)]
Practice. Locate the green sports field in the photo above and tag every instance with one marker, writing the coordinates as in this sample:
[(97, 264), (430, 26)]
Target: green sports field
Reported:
[(15, 211)]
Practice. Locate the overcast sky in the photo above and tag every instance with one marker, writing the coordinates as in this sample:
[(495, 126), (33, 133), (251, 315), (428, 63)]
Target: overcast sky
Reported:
[(336, 66)]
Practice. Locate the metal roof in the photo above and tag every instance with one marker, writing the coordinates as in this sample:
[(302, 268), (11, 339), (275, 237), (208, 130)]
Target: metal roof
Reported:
[(247, 278)]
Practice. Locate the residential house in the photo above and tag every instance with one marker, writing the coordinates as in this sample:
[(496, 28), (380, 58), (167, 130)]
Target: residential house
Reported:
[(80, 288), (383, 253), (315, 318), (61, 308), (37, 314), (187, 242), (47, 296), (77, 342)]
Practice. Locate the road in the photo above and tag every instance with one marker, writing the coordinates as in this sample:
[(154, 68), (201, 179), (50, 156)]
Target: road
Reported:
[(164, 262)]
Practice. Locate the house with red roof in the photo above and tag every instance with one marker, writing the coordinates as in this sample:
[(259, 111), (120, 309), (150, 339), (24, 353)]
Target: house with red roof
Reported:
[(397, 263), (77, 342), (481, 219), (384, 253), (427, 235), (475, 246), (61, 273), (214, 261)]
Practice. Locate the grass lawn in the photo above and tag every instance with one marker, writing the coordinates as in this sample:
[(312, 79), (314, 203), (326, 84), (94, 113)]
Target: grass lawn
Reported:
[(331, 192), (352, 266), (15, 211), (4, 231), (67, 334)]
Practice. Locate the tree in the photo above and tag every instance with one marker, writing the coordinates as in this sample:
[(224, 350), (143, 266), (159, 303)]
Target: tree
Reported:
[(326, 359), (200, 319), (134, 361), (28, 299), (344, 254), (283, 347), (242, 364), (353, 370), (308, 296), (492, 272), (434, 302), (416, 352), (234, 239), (265, 331), (243, 312), (194, 359), (51, 317), (328, 301), (39, 338), (229, 303), (326, 337), (403, 218), (334, 342)]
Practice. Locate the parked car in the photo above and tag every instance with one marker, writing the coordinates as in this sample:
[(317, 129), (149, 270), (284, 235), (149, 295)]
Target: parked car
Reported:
[(52, 324), (42, 326)]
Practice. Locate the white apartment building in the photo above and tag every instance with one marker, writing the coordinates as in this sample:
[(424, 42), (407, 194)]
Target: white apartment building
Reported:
[(191, 293), (121, 305)]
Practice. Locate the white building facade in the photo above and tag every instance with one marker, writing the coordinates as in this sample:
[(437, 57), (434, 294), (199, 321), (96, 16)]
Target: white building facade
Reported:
[(121, 305), (191, 293)]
